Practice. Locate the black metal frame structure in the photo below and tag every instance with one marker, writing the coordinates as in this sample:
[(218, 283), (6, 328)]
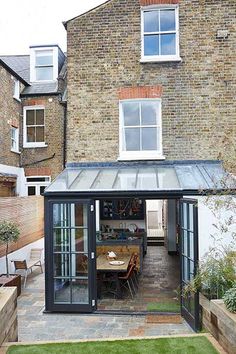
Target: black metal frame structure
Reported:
[(189, 254), (57, 197)]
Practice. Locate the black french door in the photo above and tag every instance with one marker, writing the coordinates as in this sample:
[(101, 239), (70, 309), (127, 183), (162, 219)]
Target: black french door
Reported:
[(70, 272), (189, 260)]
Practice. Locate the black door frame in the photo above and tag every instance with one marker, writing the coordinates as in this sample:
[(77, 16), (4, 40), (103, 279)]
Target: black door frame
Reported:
[(50, 305), (192, 319)]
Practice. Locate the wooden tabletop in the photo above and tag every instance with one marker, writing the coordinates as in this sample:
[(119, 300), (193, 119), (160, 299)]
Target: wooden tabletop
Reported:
[(104, 265)]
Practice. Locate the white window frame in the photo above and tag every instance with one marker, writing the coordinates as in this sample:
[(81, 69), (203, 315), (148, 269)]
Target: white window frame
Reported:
[(30, 144), (160, 58), (16, 90), (139, 155), (37, 185), (15, 139), (33, 62)]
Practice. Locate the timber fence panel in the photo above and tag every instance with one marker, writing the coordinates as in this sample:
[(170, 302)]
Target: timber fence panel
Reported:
[(28, 214)]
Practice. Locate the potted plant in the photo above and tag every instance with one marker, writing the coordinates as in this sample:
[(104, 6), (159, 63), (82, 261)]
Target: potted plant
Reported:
[(9, 232)]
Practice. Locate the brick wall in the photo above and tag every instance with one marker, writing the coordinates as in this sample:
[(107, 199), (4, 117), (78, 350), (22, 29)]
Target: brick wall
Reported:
[(198, 99), (54, 118), (10, 115)]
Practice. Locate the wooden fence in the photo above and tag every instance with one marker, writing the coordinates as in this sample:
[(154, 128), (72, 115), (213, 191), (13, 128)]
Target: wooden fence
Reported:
[(28, 213)]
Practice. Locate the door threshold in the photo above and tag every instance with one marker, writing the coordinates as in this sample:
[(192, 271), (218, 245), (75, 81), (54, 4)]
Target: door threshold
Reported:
[(134, 313)]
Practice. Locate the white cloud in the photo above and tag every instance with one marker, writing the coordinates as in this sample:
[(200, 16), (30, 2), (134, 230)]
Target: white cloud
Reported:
[(27, 22)]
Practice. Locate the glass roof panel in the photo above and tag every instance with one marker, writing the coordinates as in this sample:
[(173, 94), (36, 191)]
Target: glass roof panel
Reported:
[(59, 184), (190, 177), (167, 178), (84, 180), (147, 179), (105, 179), (126, 179)]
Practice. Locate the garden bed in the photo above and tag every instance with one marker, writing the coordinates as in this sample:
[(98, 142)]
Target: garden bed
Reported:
[(8, 315), (219, 322)]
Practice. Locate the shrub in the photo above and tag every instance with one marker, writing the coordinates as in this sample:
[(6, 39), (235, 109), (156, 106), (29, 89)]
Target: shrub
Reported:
[(9, 232), (229, 299)]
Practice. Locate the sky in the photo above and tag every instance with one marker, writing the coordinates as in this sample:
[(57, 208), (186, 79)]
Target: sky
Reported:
[(29, 22)]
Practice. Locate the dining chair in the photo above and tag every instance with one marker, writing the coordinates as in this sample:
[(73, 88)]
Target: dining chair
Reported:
[(134, 261), (126, 280)]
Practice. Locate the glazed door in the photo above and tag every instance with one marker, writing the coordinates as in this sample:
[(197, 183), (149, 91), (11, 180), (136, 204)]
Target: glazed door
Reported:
[(189, 260), (71, 257)]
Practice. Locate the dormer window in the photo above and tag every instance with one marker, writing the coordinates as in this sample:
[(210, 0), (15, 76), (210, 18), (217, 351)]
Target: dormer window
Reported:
[(44, 65)]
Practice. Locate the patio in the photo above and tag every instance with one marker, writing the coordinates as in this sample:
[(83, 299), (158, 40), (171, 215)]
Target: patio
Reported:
[(34, 325)]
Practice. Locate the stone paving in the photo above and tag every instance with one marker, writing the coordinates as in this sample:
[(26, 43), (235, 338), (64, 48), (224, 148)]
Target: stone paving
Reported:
[(34, 325), (157, 283)]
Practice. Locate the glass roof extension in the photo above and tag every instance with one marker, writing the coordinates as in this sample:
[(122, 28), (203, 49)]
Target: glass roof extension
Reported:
[(117, 177)]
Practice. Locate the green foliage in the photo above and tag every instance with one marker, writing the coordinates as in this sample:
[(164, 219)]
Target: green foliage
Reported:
[(183, 345), (229, 299), (9, 232), (215, 276)]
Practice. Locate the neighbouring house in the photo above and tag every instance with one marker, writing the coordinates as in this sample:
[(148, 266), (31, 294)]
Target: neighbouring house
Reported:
[(32, 114)]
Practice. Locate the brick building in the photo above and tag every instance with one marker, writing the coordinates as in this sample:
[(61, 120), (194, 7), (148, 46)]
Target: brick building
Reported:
[(187, 64), (32, 120), (151, 95)]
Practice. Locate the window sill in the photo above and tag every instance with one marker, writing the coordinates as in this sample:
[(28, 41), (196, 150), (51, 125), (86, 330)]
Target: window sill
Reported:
[(34, 146), (16, 151), (17, 99), (140, 158), (160, 60)]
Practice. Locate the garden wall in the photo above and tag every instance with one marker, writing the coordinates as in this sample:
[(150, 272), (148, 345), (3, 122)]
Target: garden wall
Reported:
[(28, 213), (219, 322), (8, 315)]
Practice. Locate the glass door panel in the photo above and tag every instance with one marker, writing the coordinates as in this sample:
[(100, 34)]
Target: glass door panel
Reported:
[(189, 260), (72, 256)]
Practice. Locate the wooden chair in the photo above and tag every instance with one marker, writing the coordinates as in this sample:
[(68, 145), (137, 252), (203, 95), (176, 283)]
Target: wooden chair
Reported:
[(26, 266), (134, 261), (127, 281)]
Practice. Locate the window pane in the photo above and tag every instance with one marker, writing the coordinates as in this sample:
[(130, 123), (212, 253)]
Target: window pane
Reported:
[(149, 113), (31, 190), (44, 73), (62, 290), (132, 139), (30, 117), (40, 117), (61, 265), (61, 241), (151, 44), (151, 21), (30, 135), (167, 20), (42, 188), (131, 113), (79, 264), (80, 214), (44, 58), (149, 138), (39, 134), (168, 44), (80, 292)]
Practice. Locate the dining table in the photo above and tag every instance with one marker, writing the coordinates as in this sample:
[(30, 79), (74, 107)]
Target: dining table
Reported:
[(104, 266)]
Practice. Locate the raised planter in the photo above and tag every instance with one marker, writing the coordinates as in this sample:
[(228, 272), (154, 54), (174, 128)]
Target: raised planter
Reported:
[(12, 280), (8, 315), (219, 322)]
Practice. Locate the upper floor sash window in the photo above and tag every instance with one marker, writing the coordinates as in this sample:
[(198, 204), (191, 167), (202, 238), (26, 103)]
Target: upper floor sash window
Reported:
[(160, 34)]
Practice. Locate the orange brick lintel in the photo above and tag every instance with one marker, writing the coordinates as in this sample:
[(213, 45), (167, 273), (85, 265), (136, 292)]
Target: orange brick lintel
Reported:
[(35, 102), (126, 93), (38, 171), (158, 2)]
